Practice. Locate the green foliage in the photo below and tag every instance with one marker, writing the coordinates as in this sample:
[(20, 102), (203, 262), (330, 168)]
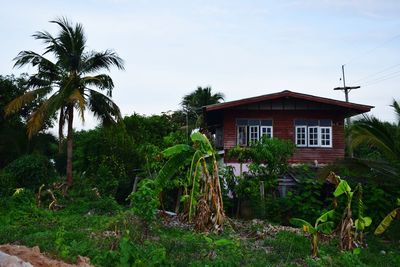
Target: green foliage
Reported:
[(343, 188), (61, 246), (145, 200), (111, 157), (192, 104), (193, 159), (66, 83), (159, 130), (71, 232), (269, 159), (382, 137), (385, 223), (362, 221), (29, 171), (271, 155), (107, 158), (147, 254), (305, 200), (322, 225), (13, 139), (241, 154)]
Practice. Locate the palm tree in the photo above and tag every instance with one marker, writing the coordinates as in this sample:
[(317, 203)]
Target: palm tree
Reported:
[(199, 98), (67, 83), (384, 137), (192, 104)]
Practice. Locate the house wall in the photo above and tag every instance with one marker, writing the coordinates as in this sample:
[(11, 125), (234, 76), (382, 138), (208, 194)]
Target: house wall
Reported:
[(283, 127)]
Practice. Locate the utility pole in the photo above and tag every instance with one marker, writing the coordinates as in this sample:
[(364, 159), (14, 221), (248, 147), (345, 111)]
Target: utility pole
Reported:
[(346, 90)]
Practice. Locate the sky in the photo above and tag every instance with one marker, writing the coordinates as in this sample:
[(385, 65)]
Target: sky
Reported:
[(240, 48)]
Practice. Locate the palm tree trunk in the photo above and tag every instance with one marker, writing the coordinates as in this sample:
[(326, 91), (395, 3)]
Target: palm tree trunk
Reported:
[(69, 145), (60, 130)]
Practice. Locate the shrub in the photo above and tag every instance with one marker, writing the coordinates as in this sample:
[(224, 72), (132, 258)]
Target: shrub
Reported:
[(29, 171), (146, 254), (145, 200)]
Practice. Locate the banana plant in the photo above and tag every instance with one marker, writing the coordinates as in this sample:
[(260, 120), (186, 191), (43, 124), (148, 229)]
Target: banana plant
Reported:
[(385, 223), (362, 221), (322, 226), (350, 230), (346, 227), (199, 162)]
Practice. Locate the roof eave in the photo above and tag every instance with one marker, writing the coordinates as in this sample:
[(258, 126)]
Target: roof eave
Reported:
[(246, 101)]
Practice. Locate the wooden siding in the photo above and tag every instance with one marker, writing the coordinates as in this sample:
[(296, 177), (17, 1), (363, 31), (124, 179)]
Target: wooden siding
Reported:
[(283, 127)]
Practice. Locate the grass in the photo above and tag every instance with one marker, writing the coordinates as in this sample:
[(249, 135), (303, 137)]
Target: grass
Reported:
[(85, 228)]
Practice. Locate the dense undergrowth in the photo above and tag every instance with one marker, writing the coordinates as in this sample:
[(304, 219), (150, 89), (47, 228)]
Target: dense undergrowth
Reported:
[(110, 235)]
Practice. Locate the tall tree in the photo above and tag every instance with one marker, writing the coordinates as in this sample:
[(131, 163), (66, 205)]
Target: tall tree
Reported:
[(193, 102), (199, 98), (13, 140), (70, 82)]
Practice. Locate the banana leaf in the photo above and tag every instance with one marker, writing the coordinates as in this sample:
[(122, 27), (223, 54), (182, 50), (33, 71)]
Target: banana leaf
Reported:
[(203, 142), (386, 221), (342, 188), (326, 216), (171, 151), (325, 227), (306, 226), (362, 222)]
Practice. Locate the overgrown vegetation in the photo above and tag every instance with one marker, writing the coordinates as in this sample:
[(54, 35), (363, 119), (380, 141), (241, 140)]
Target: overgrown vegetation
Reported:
[(130, 175), (111, 235)]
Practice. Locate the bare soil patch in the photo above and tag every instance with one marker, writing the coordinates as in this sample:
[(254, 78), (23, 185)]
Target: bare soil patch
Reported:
[(37, 259)]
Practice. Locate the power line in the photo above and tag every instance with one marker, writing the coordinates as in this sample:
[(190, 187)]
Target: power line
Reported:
[(376, 73), (373, 49), (382, 77), (381, 80)]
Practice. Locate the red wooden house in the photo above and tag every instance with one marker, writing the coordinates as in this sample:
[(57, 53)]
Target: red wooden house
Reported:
[(314, 124)]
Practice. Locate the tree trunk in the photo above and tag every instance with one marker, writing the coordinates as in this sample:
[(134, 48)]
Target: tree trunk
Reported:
[(69, 145), (60, 130)]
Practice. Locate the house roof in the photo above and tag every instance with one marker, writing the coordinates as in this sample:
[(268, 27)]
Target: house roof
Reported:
[(356, 108)]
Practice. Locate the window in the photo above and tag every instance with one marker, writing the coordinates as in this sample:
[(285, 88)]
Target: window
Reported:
[(266, 130), (313, 136), (326, 136), (313, 133), (242, 135), (251, 130), (301, 136), (254, 136)]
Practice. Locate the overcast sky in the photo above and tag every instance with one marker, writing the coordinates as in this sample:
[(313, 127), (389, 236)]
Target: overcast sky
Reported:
[(240, 48)]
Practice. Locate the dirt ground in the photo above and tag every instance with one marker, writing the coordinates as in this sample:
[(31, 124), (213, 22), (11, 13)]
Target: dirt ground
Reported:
[(37, 259)]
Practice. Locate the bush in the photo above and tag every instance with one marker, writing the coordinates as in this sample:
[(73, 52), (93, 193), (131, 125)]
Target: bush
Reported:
[(145, 200), (29, 171)]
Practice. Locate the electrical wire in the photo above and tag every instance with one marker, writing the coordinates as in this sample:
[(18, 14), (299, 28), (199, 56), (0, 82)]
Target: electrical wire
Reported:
[(376, 73), (382, 77), (381, 80), (373, 49)]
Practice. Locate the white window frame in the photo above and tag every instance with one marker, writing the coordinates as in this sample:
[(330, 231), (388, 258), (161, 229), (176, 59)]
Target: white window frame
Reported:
[(238, 135), (251, 132), (311, 130), (305, 136), (266, 131), (330, 135)]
